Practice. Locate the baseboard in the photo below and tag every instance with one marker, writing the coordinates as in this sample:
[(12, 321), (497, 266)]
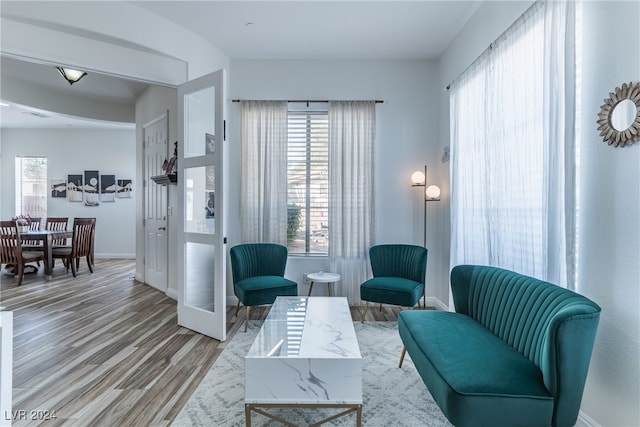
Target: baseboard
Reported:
[(118, 256), (173, 293), (437, 304), (585, 421)]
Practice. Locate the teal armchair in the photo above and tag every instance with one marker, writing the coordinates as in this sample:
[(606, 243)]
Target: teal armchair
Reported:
[(398, 275), (258, 275)]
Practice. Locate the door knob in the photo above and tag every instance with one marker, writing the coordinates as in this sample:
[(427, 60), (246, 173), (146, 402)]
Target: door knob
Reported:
[(162, 228)]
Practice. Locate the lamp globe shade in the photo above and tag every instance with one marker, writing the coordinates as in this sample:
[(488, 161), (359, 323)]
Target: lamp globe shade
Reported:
[(417, 178), (433, 191)]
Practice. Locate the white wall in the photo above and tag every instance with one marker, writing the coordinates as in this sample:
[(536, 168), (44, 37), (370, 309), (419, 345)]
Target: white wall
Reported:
[(609, 217), (609, 204), (406, 125), (73, 152)]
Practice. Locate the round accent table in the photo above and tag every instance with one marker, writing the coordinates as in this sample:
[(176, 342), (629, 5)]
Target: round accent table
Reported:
[(322, 277)]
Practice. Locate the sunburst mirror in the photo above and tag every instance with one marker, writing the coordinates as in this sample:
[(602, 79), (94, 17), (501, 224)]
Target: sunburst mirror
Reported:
[(619, 117)]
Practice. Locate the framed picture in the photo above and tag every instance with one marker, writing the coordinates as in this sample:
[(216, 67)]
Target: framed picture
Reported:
[(210, 204), (59, 188), (171, 166), (211, 177), (124, 187), (210, 144), (107, 188), (75, 188), (91, 188)]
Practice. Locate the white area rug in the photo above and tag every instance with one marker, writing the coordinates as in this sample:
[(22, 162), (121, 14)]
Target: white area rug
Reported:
[(392, 396)]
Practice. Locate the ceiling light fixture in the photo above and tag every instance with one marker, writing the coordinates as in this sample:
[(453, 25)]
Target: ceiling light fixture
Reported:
[(70, 74)]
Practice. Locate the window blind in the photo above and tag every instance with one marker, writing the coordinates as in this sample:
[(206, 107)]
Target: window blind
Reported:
[(31, 186), (308, 183)]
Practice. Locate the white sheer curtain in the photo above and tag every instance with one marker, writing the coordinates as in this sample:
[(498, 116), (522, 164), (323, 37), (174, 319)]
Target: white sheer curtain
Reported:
[(512, 150), (263, 189), (351, 137)]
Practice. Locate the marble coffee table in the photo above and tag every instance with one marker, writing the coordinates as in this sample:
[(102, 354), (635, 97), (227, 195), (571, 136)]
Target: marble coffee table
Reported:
[(305, 355)]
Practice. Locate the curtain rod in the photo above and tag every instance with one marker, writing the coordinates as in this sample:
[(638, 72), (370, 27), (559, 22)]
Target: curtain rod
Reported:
[(525, 15), (377, 101)]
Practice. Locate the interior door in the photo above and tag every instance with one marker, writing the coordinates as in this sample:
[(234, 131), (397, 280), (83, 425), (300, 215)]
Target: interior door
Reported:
[(202, 253), (155, 223)]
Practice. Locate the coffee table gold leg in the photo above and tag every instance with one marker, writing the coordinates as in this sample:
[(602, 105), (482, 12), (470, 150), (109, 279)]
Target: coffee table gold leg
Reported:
[(329, 288), (310, 289), (359, 416), (247, 415)]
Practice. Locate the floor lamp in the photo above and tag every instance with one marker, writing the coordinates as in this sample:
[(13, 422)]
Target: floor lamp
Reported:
[(431, 194)]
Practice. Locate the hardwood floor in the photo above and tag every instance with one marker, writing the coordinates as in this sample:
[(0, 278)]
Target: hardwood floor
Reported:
[(105, 350)]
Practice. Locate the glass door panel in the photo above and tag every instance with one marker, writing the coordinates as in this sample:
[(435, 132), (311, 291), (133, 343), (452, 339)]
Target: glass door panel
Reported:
[(200, 199), (199, 269), (199, 110)]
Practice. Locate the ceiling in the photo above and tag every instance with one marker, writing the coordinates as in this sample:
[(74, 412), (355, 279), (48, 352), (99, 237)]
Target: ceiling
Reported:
[(302, 29), (93, 86), (321, 29)]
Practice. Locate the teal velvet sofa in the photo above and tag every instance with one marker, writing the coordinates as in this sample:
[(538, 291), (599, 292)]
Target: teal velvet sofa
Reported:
[(515, 353)]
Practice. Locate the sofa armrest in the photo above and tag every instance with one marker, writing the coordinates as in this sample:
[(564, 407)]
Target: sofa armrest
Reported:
[(565, 359)]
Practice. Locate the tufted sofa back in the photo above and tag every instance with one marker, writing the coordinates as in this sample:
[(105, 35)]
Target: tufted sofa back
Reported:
[(553, 327)]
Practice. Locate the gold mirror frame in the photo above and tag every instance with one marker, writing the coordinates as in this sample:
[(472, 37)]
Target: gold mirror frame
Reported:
[(610, 135)]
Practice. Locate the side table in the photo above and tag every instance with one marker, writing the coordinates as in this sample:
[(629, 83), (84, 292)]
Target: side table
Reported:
[(322, 277)]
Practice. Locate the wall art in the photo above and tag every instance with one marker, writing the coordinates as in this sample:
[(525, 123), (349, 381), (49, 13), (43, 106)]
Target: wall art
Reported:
[(59, 188), (124, 188), (91, 188), (74, 188), (107, 188)]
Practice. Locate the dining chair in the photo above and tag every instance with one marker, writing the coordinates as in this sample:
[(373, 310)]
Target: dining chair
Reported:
[(81, 245), (33, 245), (11, 251), (258, 275), (398, 275), (57, 224)]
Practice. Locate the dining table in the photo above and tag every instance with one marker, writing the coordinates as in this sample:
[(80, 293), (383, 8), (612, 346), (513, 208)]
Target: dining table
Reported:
[(47, 237)]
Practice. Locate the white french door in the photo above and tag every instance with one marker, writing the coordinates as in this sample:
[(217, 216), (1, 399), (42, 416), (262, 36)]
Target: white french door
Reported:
[(202, 253)]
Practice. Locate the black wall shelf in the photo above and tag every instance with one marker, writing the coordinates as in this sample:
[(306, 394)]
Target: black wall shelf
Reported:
[(171, 179)]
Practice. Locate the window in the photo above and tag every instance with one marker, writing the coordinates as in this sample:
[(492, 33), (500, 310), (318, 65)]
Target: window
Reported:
[(308, 182), (512, 192), (31, 186)]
